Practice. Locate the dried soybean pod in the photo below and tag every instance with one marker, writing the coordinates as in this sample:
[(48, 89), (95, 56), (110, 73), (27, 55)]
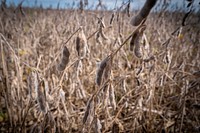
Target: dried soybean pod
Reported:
[(41, 97), (196, 74), (112, 18), (112, 97), (86, 2), (102, 34), (128, 9), (78, 40), (98, 125), (115, 128), (138, 50), (144, 12), (32, 82), (81, 44), (89, 113), (137, 42), (65, 59), (103, 71), (134, 36), (132, 41)]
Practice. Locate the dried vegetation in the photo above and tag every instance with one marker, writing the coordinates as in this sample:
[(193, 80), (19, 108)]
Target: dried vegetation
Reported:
[(66, 71)]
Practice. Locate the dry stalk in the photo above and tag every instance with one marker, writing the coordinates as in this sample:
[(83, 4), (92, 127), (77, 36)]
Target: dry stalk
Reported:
[(101, 22), (114, 119), (16, 57), (6, 92), (62, 96), (38, 63), (97, 31), (81, 89), (92, 34)]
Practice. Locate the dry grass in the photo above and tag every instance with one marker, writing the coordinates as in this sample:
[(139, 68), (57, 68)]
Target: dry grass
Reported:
[(102, 85)]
